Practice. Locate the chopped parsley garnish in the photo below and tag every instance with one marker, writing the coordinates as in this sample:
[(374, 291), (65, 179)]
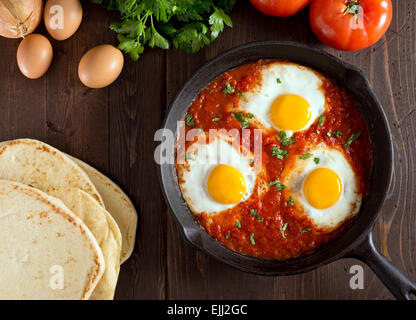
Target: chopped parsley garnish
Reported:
[(305, 230), (278, 80), (255, 213), (252, 239), (240, 117), (240, 94), (188, 156), (227, 236), (337, 133), (352, 138), (291, 202), (189, 120), (228, 88), (318, 132), (250, 115), (279, 153), (285, 140), (305, 156), (321, 120), (277, 184), (245, 125), (238, 224), (216, 119), (316, 160), (283, 229)]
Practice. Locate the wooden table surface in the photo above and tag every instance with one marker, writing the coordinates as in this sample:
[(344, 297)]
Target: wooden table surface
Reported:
[(113, 129)]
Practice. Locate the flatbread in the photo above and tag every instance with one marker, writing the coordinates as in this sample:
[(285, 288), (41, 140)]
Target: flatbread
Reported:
[(41, 166), (76, 174), (118, 204), (40, 240), (105, 231)]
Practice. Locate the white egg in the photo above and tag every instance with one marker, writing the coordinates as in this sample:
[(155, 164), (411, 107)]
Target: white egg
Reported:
[(289, 97), (323, 184), (215, 176)]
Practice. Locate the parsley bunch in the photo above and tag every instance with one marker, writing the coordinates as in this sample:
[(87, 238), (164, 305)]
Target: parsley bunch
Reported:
[(186, 24)]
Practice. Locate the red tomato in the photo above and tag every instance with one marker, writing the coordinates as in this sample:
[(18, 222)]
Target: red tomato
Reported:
[(280, 8), (350, 25)]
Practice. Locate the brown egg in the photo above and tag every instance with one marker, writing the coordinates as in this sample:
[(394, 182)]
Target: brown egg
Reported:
[(34, 55), (100, 66), (62, 18)]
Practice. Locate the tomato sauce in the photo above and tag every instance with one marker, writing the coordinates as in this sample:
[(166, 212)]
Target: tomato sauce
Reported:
[(278, 232)]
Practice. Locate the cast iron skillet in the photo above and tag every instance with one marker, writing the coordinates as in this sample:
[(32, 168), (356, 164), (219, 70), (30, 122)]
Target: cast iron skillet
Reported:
[(356, 242)]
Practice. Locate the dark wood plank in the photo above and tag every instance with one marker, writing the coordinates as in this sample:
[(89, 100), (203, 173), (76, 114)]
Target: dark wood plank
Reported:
[(136, 109), (77, 117), (22, 101), (137, 102), (192, 274), (393, 76)]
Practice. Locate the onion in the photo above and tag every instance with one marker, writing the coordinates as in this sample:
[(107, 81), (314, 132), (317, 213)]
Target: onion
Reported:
[(19, 18)]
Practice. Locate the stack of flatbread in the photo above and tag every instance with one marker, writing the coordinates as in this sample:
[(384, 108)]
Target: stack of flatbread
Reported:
[(65, 228)]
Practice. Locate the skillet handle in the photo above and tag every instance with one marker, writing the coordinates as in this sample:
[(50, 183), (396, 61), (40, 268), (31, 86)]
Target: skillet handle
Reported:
[(399, 285)]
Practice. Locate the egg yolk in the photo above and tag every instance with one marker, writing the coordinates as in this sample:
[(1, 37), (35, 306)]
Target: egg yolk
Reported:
[(226, 184), (290, 112), (322, 188)]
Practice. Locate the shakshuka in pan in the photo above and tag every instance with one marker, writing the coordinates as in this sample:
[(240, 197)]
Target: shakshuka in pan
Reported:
[(296, 185)]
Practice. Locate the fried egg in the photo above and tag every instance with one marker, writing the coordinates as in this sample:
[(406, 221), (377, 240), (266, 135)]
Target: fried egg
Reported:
[(289, 97), (323, 184), (215, 176)]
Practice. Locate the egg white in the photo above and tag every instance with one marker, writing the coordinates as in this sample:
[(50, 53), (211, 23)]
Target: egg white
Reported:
[(294, 79), (349, 203), (200, 160)]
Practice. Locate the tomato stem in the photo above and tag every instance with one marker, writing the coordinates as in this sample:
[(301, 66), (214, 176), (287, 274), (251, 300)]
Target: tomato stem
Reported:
[(352, 7)]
